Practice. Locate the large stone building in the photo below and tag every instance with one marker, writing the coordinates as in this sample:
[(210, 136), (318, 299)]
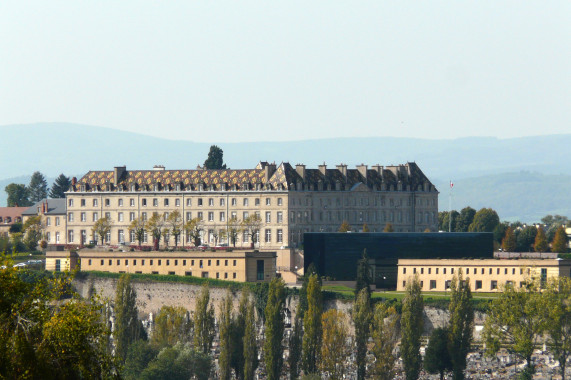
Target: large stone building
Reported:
[(53, 218), (290, 201)]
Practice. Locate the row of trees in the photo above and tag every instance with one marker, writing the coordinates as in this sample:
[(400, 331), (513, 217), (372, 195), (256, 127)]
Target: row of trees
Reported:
[(534, 238), (20, 195)]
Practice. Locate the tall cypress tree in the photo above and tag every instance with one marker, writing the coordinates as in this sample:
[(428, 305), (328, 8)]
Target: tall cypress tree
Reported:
[(412, 325), (250, 344), (226, 341), (294, 344), (461, 324), (312, 326), (204, 322), (362, 318), (274, 329), (363, 275), (38, 188), (60, 186), (237, 333), (127, 325)]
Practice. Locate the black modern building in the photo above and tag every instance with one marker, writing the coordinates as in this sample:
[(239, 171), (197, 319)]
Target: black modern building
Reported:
[(335, 255)]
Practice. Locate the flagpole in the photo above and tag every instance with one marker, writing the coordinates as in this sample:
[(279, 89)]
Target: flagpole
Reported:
[(450, 208)]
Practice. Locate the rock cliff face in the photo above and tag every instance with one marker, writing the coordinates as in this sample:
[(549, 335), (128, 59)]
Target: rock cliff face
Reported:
[(151, 296)]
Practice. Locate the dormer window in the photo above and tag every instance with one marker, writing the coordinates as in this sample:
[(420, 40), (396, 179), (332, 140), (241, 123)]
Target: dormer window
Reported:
[(178, 187), (133, 187), (82, 187)]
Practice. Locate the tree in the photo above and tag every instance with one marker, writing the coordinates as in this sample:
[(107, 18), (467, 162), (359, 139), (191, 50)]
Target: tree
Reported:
[(155, 226), (252, 225), (127, 325), (238, 332), (461, 324), (17, 195), (509, 243), (345, 227), (385, 335), (204, 329), (60, 186), (172, 325), (139, 225), (363, 274), (464, 220), (312, 326), (139, 356), (226, 341), (540, 244), (388, 228), (180, 362), (525, 239), (515, 320), (500, 232), (552, 223), (193, 230), (234, 230), (250, 345), (437, 357), (215, 159), (485, 220), (274, 329), (101, 228), (366, 227), (557, 306), (295, 346), (334, 344), (412, 325), (362, 318), (444, 222), (33, 230), (560, 242), (38, 187)]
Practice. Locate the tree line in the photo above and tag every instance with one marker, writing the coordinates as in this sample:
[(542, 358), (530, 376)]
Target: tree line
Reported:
[(20, 195)]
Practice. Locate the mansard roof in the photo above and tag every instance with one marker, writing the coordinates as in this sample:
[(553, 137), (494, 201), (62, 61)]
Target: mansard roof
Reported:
[(282, 177)]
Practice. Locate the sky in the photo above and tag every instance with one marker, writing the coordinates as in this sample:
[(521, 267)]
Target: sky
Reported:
[(233, 71)]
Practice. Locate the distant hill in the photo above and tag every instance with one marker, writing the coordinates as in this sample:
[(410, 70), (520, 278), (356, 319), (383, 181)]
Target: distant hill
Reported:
[(53, 148)]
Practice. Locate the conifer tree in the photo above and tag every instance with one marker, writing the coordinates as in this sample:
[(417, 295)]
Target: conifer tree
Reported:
[(509, 243), (363, 280), (60, 186), (295, 347), (127, 325), (362, 318), (215, 158), (237, 334), (540, 244), (312, 333), (461, 324), (437, 358), (250, 345), (274, 329), (226, 342), (412, 325), (204, 322), (38, 187), (560, 242)]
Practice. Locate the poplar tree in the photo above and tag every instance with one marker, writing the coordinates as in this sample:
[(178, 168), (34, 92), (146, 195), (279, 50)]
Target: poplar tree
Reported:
[(172, 325), (226, 342), (540, 244), (294, 344), (560, 242), (412, 325), (509, 243), (362, 318), (385, 335), (363, 275), (312, 333), (204, 328), (334, 350), (237, 333), (461, 324), (250, 345), (274, 329), (127, 325)]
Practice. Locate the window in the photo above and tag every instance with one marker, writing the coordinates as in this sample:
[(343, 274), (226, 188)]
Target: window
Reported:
[(513, 270), (268, 235), (108, 215), (257, 202), (70, 236), (413, 270), (447, 284), (280, 236), (107, 202), (131, 216), (234, 275), (493, 285), (210, 201), (120, 202), (70, 203), (58, 265), (432, 284), (225, 275), (217, 263), (436, 270), (451, 270), (210, 216), (82, 202), (121, 236), (222, 216), (280, 217), (83, 217), (70, 217), (155, 202), (226, 263), (48, 221), (280, 202), (222, 202), (403, 270), (168, 262), (160, 261), (200, 216), (478, 284), (260, 270), (177, 202), (144, 215), (48, 237), (188, 216), (245, 202), (209, 262), (95, 203), (166, 202), (505, 270), (57, 237), (543, 278), (234, 263), (188, 201), (404, 284), (268, 202), (421, 270), (144, 202), (234, 202), (443, 270), (245, 215), (132, 202), (200, 201), (120, 217), (268, 217)]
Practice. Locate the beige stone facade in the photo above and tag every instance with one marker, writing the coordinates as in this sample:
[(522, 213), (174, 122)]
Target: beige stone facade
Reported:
[(243, 266), (290, 201), (486, 275), (53, 220)]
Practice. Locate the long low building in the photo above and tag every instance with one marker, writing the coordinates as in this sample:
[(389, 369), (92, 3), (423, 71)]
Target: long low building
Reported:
[(243, 266), (486, 275)]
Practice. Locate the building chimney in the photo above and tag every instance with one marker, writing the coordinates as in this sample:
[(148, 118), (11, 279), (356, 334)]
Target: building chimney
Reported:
[(118, 174), (159, 167), (323, 169), (300, 169), (269, 170), (343, 169), (362, 169)]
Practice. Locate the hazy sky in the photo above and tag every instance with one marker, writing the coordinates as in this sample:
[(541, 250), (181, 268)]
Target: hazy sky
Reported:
[(268, 70)]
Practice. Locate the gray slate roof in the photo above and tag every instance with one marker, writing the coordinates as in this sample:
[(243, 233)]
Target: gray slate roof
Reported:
[(56, 206)]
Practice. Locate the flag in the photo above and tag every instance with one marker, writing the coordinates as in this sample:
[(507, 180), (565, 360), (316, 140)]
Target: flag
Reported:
[(451, 184)]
